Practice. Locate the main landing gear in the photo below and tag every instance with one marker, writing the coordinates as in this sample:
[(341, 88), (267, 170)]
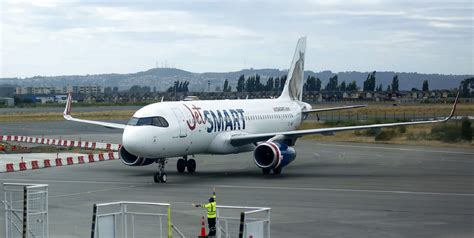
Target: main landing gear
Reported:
[(185, 163), (275, 171), (160, 177)]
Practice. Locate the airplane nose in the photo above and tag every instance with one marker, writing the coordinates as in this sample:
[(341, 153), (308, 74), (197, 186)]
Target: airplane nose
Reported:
[(131, 140)]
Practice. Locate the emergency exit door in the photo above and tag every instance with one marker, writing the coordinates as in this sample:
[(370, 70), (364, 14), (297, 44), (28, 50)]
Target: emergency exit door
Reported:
[(181, 122)]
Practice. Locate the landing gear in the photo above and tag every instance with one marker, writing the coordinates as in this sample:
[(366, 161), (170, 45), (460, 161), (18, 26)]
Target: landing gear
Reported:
[(161, 177), (181, 165), (191, 165), (186, 163), (277, 170)]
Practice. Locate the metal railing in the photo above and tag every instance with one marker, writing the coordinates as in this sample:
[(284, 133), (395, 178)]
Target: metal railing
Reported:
[(26, 210), (237, 221), (130, 219)]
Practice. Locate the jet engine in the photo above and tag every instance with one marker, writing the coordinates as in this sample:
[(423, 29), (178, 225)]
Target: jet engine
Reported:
[(132, 160), (270, 155)]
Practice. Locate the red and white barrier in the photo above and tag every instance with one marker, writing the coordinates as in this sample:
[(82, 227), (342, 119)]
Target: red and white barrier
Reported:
[(61, 142), (56, 162)]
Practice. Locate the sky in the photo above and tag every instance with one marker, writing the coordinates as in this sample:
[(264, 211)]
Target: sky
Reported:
[(64, 37)]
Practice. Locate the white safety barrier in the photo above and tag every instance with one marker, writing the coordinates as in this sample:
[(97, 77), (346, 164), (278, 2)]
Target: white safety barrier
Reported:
[(132, 219), (61, 142), (235, 221), (26, 210)]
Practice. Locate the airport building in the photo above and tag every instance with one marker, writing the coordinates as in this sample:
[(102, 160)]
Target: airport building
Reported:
[(89, 89)]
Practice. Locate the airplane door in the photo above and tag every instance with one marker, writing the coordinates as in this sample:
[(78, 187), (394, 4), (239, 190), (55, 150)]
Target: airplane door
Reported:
[(181, 122)]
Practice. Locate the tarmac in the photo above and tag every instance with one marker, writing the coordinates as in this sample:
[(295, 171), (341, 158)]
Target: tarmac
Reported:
[(330, 190)]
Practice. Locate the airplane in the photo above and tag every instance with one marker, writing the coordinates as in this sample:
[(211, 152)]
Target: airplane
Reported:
[(268, 127)]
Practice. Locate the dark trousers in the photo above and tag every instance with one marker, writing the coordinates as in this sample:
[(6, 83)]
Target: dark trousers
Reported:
[(212, 226)]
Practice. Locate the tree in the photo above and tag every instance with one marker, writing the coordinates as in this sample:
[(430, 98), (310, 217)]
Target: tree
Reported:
[(395, 83), (282, 82), (352, 86), (312, 84), (332, 84), (318, 85), (241, 83), (178, 87), (277, 84), (389, 89), (466, 86), (269, 84), (258, 85), (425, 87), (226, 87), (343, 87), (379, 88), (369, 83), (249, 83)]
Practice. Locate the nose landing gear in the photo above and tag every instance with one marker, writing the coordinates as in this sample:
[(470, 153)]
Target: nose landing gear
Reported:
[(161, 177), (185, 163)]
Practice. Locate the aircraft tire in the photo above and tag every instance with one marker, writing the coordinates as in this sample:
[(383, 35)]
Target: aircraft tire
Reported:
[(181, 165), (163, 178), (156, 178), (191, 165)]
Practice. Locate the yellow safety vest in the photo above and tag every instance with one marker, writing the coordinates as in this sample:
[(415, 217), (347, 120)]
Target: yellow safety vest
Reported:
[(211, 208)]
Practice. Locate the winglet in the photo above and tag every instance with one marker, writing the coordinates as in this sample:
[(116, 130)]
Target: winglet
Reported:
[(67, 110), (454, 107)]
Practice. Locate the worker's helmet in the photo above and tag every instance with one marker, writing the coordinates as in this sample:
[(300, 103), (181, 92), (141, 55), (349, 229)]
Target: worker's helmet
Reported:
[(211, 199)]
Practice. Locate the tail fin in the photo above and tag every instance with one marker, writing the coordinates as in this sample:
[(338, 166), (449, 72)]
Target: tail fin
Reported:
[(293, 89)]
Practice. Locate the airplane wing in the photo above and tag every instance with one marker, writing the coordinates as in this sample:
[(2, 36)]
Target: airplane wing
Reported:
[(332, 109), (242, 139), (68, 117)]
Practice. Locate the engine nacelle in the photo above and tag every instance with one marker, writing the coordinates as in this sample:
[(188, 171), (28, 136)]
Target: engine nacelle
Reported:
[(132, 160), (269, 155)]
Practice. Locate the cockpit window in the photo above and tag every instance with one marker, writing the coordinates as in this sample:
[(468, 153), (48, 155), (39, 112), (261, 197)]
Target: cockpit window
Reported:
[(148, 121), (159, 121)]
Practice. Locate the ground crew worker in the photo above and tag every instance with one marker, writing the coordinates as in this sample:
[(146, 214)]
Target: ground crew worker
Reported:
[(211, 213)]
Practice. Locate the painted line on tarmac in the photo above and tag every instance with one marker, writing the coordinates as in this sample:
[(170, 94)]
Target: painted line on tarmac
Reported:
[(90, 192), (350, 190), (399, 149)]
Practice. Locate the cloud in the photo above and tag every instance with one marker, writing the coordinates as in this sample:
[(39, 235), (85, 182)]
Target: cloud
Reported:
[(81, 36)]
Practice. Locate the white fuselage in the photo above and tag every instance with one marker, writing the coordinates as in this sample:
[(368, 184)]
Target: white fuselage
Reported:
[(205, 127)]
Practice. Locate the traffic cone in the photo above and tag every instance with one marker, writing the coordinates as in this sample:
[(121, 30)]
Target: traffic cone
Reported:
[(203, 228)]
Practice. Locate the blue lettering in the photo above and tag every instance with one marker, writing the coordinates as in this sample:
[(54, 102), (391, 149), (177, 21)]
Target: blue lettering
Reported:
[(235, 118), (218, 121), (208, 119), (228, 121), (241, 112)]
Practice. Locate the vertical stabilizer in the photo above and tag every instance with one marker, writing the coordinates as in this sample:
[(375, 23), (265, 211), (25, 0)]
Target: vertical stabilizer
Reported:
[(293, 89)]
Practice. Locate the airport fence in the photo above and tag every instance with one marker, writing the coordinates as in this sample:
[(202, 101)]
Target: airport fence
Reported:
[(243, 222), (26, 210), (132, 219)]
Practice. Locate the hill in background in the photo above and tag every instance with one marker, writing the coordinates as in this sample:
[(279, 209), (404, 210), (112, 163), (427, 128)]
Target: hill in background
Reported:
[(162, 78)]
